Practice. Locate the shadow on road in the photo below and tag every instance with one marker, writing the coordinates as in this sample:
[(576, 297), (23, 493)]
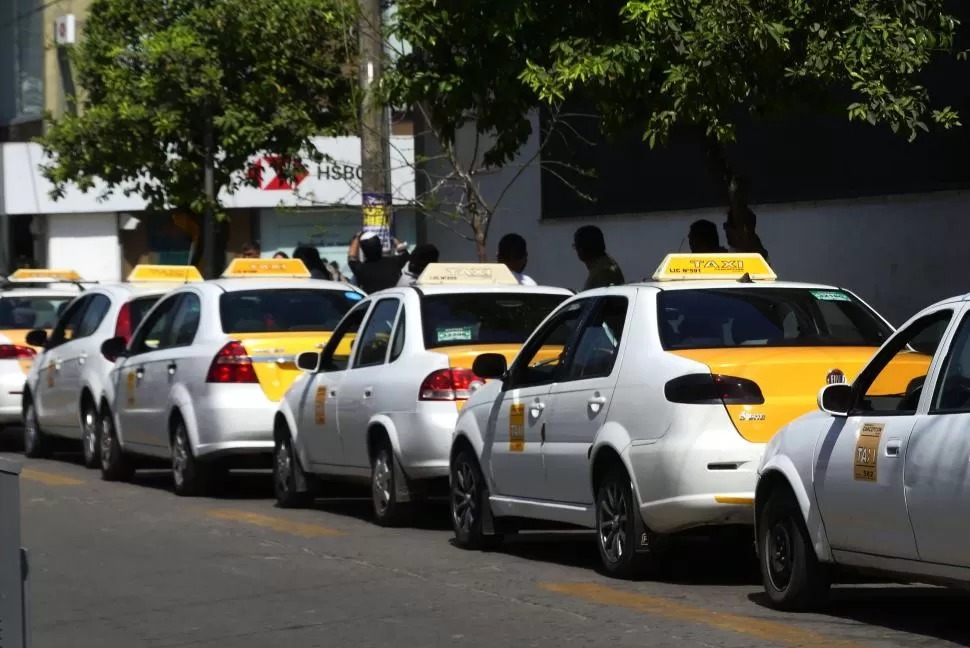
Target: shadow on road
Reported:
[(933, 612), (355, 502)]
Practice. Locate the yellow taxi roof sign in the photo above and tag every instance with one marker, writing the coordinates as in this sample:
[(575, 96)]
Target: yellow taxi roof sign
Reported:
[(718, 265), (163, 273), (266, 268), (444, 274), (37, 275)]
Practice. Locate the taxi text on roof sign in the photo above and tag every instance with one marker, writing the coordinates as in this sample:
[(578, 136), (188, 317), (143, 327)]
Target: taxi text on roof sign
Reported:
[(466, 273), (164, 273), (266, 268), (714, 266), (34, 275)]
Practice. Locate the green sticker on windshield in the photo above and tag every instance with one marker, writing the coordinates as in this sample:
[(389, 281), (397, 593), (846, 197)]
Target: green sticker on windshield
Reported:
[(457, 334), (830, 295)]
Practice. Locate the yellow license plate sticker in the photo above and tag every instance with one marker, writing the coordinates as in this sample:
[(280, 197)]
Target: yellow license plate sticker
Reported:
[(867, 451), (320, 406), (517, 427)]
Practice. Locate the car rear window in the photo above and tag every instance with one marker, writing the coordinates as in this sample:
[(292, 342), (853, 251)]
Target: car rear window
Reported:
[(139, 306), (766, 317), (284, 310), (31, 312), (483, 318)]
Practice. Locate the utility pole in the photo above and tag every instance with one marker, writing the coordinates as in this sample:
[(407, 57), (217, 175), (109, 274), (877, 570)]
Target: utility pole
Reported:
[(374, 127), (212, 268)]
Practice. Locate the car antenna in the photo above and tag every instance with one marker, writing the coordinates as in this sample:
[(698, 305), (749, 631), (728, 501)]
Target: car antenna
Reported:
[(746, 278)]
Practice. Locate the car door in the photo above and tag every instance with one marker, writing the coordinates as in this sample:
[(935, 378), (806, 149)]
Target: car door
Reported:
[(74, 356), (517, 420), (317, 419), (361, 388), (580, 402), (141, 389), (937, 460), (859, 477), (54, 402)]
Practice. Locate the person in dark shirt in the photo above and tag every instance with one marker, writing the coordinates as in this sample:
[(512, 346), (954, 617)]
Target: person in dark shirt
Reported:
[(703, 237), (423, 255), (376, 271), (591, 249), (310, 257)]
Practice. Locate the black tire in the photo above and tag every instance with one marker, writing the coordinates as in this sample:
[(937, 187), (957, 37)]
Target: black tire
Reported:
[(190, 476), (792, 576), (37, 445), (90, 436), (388, 512), (616, 531), (286, 467), (116, 465), (467, 502)]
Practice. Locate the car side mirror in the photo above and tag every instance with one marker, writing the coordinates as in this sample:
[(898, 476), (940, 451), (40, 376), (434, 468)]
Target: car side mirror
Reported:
[(490, 366), (36, 338), (308, 361), (114, 348), (835, 400)]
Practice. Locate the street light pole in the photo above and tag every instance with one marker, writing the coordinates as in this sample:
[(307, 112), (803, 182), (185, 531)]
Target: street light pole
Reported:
[(374, 127)]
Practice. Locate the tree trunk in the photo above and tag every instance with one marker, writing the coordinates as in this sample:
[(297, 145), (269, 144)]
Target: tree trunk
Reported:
[(478, 225)]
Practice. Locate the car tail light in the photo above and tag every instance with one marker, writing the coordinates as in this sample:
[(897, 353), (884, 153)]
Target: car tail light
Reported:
[(16, 352), (449, 385), (713, 389), (232, 365), (123, 326)]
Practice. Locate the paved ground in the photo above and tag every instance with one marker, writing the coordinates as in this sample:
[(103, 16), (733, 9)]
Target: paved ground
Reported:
[(128, 565)]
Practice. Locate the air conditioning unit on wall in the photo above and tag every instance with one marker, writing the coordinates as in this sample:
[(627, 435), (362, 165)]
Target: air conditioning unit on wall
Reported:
[(64, 30)]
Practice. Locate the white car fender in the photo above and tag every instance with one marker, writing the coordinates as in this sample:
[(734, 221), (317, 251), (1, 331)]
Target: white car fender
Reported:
[(386, 422), (179, 399), (612, 437)]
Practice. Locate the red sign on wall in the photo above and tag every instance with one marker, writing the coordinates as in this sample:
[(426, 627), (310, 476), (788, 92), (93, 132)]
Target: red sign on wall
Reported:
[(279, 167)]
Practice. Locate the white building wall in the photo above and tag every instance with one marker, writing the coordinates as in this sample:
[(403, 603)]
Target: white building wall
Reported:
[(898, 253), (86, 243)]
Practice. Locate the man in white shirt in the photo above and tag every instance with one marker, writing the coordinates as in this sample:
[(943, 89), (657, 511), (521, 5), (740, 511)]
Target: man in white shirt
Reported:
[(513, 253)]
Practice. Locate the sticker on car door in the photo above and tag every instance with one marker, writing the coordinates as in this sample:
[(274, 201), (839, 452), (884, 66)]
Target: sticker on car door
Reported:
[(130, 381), (517, 427), (320, 406), (867, 451), (50, 374)]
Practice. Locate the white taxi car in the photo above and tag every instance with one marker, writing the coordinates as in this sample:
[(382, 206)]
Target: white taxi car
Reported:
[(199, 382), (652, 415), (67, 382), (30, 299), (877, 481), (380, 402)]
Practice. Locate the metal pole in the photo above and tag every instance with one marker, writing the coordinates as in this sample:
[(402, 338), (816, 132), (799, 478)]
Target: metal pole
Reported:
[(212, 267), (373, 119)]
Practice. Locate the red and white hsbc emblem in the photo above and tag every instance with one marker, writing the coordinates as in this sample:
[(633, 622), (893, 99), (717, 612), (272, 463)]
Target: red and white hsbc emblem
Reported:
[(278, 173)]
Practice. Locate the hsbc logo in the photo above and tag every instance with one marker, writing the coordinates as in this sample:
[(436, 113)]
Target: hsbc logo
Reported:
[(277, 173)]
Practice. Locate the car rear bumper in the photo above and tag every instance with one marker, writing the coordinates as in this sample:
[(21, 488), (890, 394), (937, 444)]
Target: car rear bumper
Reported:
[(12, 380), (234, 419), (424, 439)]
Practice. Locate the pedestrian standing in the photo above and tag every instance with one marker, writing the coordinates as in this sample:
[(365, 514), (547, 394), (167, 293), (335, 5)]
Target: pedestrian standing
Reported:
[(421, 256), (703, 237), (376, 272), (280, 255), (250, 251), (512, 251), (310, 256), (591, 249)]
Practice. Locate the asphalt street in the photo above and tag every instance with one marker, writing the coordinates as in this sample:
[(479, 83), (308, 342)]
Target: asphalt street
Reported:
[(127, 565)]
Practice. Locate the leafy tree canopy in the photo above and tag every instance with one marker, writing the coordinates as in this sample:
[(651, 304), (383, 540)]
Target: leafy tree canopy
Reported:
[(660, 64), (269, 74)]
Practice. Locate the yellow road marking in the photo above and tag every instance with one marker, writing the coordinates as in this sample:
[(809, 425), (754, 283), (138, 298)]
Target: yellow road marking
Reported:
[(51, 479), (771, 631), (725, 499), (274, 523)]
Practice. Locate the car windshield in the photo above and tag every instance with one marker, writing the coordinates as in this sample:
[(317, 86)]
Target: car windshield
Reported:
[(284, 310), (483, 318), (766, 317), (31, 312)]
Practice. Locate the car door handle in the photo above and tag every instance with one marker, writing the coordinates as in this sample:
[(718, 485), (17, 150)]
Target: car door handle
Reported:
[(81, 359), (171, 369), (892, 448), (368, 392), (535, 409), (139, 373), (597, 400), (333, 392)]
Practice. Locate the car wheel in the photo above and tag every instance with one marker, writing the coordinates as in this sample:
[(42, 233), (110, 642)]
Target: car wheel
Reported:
[(468, 503), (285, 474), (387, 510), (191, 476), (90, 437), (116, 465), (792, 575), (36, 443), (615, 526)]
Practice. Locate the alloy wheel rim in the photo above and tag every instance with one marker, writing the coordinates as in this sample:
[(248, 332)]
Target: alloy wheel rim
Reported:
[(778, 557), (463, 497), (382, 483), (613, 522), (179, 459), (90, 444), (283, 467), (106, 441), (30, 428)]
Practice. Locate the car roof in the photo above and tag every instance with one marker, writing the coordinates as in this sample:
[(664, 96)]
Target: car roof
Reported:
[(40, 292), (236, 285), (438, 289), (715, 284)]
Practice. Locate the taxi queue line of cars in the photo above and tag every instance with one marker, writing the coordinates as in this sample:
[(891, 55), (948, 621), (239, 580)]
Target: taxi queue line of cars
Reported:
[(639, 411)]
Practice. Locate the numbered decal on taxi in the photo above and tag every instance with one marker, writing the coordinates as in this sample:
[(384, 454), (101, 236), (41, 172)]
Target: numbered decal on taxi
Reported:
[(517, 427), (130, 380), (320, 406), (867, 451)]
